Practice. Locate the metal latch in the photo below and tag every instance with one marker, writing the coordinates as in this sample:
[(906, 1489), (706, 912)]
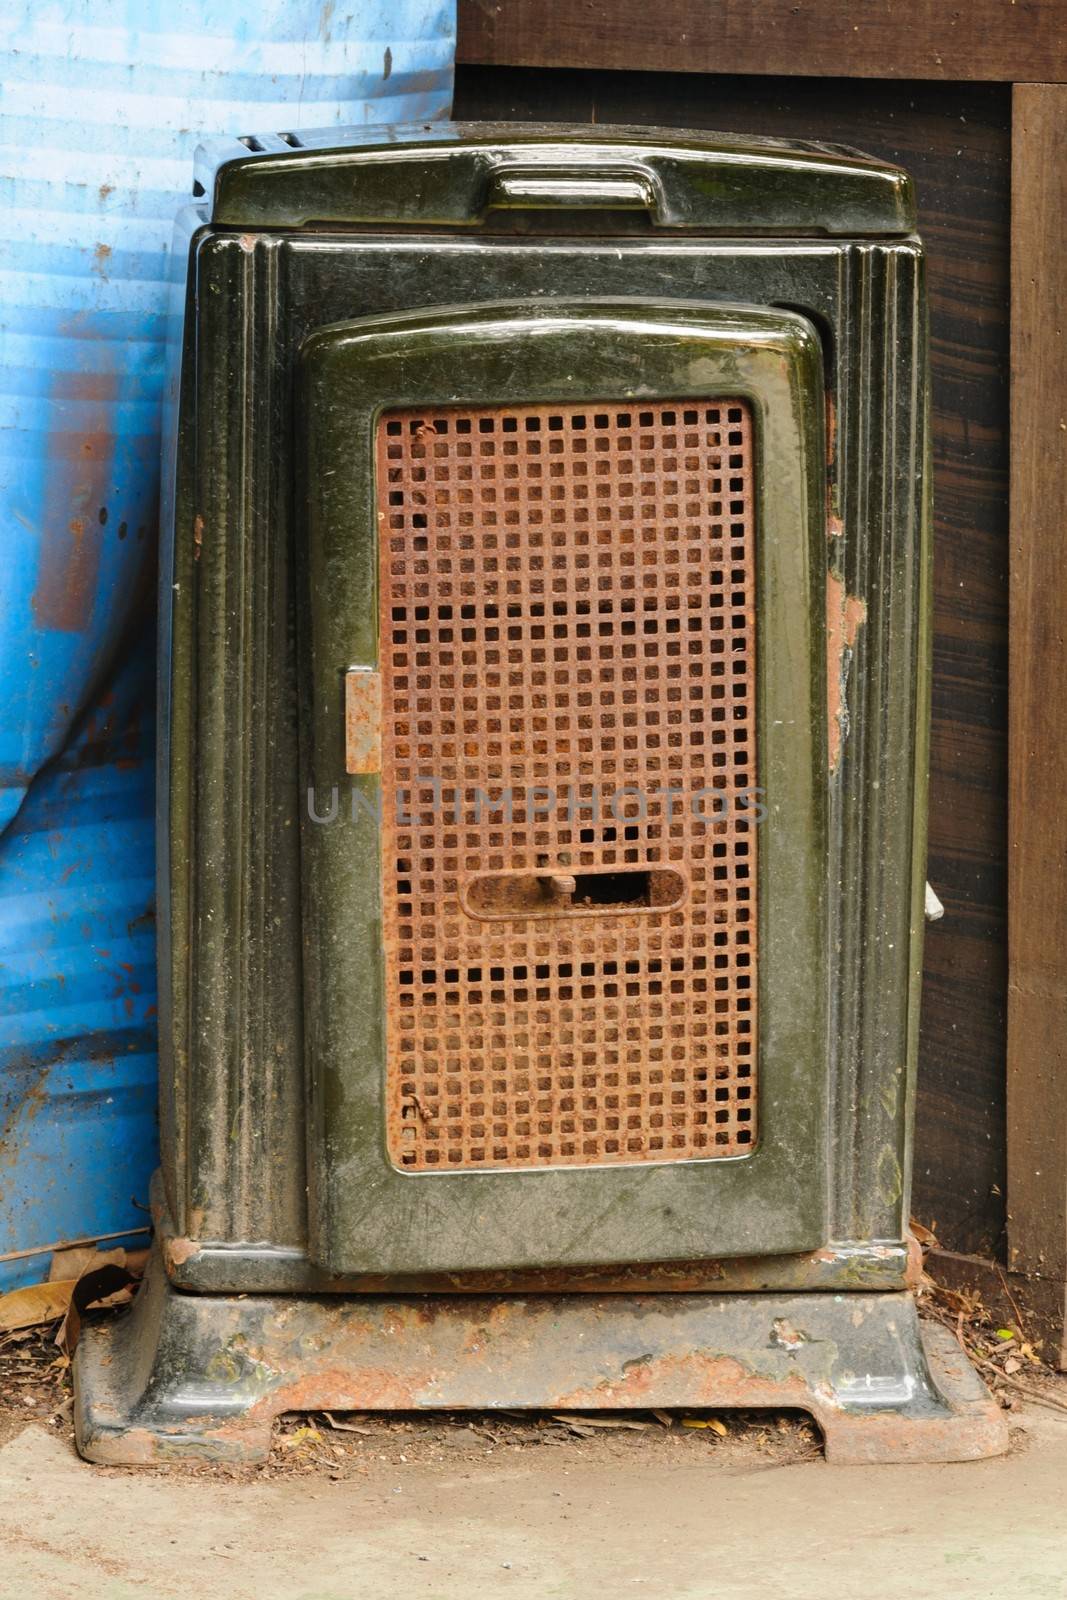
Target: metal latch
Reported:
[(363, 720)]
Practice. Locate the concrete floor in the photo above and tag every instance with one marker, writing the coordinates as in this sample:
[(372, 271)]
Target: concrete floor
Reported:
[(541, 1523)]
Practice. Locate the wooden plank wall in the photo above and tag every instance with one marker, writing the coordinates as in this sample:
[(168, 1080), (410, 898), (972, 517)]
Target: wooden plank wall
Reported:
[(955, 140), (1037, 1008), (1001, 41)]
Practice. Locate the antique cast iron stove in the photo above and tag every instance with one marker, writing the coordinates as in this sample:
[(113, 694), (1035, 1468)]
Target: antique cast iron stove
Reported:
[(544, 684)]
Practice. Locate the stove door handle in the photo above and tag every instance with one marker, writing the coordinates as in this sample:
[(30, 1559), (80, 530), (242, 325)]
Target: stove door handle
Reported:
[(535, 187)]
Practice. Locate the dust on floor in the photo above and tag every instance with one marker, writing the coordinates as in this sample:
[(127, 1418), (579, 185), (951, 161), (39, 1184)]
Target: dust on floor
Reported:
[(475, 1506), (702, 1519)]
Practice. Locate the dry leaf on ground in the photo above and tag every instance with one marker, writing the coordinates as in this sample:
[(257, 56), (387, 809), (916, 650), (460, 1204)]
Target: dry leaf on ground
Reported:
[(35, 1304), (80, 1279)]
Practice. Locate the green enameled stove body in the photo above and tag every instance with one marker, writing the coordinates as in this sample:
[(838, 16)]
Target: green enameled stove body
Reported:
[(544, 681)]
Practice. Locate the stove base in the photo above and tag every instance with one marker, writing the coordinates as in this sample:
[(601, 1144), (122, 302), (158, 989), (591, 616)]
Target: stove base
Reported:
[(203, 1377)]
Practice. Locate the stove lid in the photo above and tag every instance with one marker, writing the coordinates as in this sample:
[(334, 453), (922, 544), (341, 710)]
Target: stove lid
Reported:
[(470, 175)]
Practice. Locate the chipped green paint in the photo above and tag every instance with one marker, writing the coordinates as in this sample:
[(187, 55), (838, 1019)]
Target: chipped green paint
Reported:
[(890, 1178)]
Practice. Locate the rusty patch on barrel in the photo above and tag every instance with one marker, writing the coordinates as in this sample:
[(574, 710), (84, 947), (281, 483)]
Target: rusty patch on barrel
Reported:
[(77, 483)]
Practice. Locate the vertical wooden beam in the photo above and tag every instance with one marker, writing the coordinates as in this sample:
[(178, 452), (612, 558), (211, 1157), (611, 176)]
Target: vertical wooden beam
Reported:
[(1037, 786)]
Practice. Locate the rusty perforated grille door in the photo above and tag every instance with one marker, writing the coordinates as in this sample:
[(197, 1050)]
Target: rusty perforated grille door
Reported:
[(569, 867)]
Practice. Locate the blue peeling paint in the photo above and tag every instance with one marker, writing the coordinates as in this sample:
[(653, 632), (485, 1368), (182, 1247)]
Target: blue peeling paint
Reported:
[(101, 108)]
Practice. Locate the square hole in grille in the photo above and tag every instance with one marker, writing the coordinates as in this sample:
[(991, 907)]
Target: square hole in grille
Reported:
[(567, 639)]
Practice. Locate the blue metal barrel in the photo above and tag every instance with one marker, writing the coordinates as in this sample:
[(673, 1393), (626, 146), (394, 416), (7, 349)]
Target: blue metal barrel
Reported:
[(78, 985), (101, 107)]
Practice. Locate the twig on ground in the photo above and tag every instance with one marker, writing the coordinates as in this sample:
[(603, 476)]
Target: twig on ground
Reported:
[(1019, 1323), (1027, 1389)]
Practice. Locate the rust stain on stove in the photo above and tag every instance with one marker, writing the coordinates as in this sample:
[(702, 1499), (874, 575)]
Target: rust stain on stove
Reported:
[(705, 1378), (845, 615), (177, 1250)]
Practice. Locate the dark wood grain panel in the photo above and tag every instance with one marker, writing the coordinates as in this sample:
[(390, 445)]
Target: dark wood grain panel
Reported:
[(1037, 1007), (955, 140), (995, 40)]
